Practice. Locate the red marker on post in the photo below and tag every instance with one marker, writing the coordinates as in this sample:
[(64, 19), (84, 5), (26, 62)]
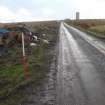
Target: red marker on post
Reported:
[(24, 60)]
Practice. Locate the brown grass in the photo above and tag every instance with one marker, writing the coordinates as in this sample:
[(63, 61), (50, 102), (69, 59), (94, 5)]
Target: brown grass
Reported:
[(96, 26), (99, 28)]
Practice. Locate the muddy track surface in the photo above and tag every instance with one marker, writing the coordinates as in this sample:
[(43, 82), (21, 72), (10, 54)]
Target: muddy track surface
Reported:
[(81, 68)]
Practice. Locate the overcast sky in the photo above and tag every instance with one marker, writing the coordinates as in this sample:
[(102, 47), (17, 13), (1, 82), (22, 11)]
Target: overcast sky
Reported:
[(34, 10)]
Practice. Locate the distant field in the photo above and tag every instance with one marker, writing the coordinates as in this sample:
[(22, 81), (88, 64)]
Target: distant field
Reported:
[(96, 26), (43, 27), (40, 26)]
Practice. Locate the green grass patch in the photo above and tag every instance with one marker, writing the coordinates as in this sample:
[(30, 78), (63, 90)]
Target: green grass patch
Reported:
[(11, 72)]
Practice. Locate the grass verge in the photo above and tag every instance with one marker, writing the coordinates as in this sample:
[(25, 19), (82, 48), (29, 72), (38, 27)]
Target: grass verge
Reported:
[(12, 82)]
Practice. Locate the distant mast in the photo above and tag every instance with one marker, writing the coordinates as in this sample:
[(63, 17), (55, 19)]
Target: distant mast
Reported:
[(77, 15)]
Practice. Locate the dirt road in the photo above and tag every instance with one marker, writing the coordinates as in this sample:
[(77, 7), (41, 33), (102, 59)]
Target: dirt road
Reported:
[(81, 68)]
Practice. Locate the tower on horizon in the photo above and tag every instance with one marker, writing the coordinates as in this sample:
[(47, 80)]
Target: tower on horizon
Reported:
[(77, 15)]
